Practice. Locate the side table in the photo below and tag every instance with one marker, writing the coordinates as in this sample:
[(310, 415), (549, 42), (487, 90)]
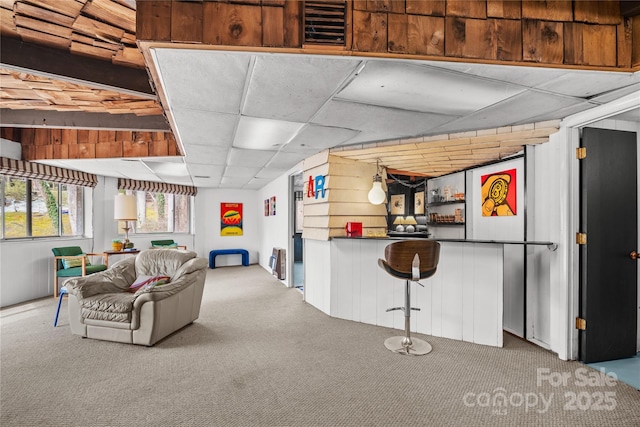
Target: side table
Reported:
[(123, 252)]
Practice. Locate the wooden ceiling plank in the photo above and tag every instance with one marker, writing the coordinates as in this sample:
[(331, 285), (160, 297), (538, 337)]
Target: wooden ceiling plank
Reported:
[(7, 24), (68, 8), (68, 66), (93, 51), (112, 13), (9, 81), (42, 27), (32, 36), (129, 56), (43, 14), (98, 29)]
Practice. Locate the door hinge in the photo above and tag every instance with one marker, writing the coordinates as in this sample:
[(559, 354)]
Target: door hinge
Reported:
[(581, 324), (581, 153), (581, 238)]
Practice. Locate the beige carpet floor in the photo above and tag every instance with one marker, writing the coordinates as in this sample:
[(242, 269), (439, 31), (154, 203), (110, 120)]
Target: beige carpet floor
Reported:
[(259, 356)]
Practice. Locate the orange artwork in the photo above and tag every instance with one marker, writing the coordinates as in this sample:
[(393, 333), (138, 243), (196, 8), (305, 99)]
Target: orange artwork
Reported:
[(231, 219), (499, 193)]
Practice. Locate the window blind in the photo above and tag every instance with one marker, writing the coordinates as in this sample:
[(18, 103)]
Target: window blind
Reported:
[(156, 187), (33, 170)]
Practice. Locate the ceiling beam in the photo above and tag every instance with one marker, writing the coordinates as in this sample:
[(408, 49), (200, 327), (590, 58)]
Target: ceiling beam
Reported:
[(81, 120), (57, 63)]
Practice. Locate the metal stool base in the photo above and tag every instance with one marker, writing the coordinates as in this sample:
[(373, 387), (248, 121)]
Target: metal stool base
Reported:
[(418, 347)]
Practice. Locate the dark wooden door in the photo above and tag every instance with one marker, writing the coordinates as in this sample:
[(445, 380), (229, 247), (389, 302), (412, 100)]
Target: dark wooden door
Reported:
[(608, 275)]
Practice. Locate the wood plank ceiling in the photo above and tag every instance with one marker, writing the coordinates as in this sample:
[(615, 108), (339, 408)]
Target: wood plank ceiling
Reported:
[(100, 29)]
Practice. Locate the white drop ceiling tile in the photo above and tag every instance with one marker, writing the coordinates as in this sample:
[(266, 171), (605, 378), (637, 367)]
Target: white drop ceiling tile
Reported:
[(202, 79), (256, 183), (518, 110), (562, 112), (164, 170), (387, 123), (618, 93), (234, 182), (205, 128), (206, 154), (206, 182), (399, 84), (294, 87), (521, 76), (201, 171), (250, 158), (163, 159), (587, 84), (322, 137), (180, 180), (270, 173), (284, 160), (240, 172), (264, 134)]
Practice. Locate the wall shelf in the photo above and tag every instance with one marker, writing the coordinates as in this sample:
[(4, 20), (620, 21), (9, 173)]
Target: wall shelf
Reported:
[(451, 202)]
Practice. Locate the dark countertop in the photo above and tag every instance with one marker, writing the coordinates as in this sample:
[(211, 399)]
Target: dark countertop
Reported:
[(405, 236)]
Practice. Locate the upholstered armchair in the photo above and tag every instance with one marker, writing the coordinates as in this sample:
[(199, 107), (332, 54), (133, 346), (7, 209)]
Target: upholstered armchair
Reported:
[(138, 300)]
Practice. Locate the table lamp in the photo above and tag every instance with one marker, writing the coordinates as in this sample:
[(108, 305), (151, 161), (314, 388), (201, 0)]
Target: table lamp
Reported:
[(399, 223), (125, 209), (410, 223)]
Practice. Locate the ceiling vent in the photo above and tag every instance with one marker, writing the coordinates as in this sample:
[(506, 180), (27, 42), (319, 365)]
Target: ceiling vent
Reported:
[(324, 22)]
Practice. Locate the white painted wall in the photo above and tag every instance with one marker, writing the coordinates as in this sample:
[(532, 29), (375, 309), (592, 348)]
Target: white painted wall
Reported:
[(207, 224), (274, 231)]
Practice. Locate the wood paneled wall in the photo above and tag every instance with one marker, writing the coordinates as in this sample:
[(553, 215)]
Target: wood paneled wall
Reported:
[(563, 32), (43, 143), (347, 183)]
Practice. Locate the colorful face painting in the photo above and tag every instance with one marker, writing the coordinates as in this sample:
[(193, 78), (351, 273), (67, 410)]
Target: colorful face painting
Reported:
[(499, 193)]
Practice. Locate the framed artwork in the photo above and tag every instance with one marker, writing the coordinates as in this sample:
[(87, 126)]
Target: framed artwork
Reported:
[(397, 204), (231, 219), (418, 203), (273, 205), (267, 207), (498, 193)]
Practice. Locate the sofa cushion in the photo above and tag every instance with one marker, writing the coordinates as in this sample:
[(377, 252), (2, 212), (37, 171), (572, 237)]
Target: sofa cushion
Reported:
[(115, 307), (74, 262)]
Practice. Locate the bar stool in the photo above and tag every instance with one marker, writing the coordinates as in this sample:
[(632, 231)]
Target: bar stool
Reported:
[(410, 260)]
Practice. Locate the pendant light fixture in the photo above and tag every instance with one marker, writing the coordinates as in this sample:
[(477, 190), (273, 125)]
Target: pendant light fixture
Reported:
[(376, 194)]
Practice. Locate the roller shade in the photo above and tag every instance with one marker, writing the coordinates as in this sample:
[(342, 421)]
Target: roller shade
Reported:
[(156, 187), (33, 170)]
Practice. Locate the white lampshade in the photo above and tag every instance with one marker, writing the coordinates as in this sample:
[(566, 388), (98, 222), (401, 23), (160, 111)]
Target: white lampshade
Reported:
[(124, 207), (377, 194)]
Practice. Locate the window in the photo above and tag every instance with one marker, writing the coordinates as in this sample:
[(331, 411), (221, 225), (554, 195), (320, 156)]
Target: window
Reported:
[(161, 213), (40, 208)]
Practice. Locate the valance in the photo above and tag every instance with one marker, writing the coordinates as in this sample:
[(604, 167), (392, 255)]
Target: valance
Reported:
[(156, 187), (33, 170)]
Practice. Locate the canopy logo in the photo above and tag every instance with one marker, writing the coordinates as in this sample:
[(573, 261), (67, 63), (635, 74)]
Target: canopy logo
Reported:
[(315, 186)]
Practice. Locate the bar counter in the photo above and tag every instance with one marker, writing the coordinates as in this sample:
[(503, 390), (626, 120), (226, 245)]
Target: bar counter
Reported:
[(462, 301)]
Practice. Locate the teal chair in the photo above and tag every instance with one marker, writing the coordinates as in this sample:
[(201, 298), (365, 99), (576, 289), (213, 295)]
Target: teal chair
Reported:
[(166, 244), (72, 261)]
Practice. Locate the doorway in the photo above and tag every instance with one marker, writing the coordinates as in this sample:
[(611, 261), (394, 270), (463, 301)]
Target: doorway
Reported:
[(608, 313), (297, 216)]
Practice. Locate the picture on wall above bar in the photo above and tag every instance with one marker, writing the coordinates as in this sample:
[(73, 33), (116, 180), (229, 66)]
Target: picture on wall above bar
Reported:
[(397, 204), (418, 203), (499, 193)]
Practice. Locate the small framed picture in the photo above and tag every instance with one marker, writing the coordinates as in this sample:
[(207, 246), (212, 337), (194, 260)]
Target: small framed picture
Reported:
[(397, 204)]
